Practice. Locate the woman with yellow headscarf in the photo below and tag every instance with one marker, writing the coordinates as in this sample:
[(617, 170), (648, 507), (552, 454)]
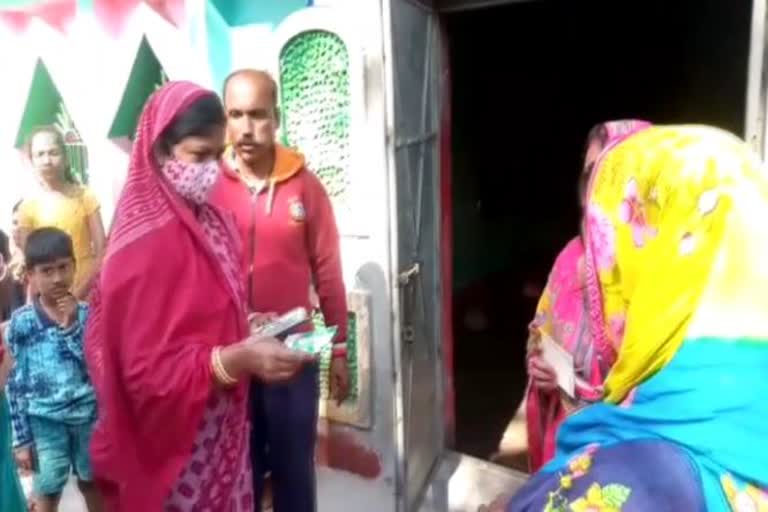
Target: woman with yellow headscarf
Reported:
[(562, 317), (676, 243)]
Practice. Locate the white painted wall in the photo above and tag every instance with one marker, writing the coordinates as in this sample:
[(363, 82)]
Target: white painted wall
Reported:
[(90, 69), (366, 253)]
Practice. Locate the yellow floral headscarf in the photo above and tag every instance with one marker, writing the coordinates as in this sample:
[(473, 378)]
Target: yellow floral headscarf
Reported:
[(673, 219)]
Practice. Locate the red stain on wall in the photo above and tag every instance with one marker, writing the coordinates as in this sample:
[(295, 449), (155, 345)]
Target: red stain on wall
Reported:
[(342, 449)]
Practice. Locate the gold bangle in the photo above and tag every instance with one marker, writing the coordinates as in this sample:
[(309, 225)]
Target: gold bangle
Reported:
[(218, 367), (219, 371), (214, 369), (225, 376)]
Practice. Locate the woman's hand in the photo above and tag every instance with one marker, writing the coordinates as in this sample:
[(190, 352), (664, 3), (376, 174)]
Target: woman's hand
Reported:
[(543, 375), (271, 361), (264, 358), (258, 320)]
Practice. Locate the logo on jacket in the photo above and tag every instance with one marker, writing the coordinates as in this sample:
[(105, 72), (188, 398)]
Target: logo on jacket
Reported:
[(297, 211)]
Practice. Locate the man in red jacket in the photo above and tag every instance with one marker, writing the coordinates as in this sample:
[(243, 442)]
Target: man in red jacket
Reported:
[(291, 244)]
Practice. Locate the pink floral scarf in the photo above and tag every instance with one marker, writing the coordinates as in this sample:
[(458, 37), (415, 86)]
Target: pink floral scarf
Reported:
[(562, 316), (570, 313)]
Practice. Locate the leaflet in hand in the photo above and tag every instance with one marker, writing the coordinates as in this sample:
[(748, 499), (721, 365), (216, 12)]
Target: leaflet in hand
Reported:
[(284, 324), (562, 362), (313, 343)]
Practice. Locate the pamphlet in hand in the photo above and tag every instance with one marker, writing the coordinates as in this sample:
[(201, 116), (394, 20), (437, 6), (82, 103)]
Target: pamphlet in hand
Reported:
[(562, 362), (283, 325), (313, 343)]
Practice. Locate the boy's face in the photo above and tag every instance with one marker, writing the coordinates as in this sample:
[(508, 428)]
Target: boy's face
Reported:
[(53, 280)]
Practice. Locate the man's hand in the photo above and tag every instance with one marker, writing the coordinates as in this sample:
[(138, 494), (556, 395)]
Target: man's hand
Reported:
[(339, 379), (25, 459), (67, 308), (271, 361)]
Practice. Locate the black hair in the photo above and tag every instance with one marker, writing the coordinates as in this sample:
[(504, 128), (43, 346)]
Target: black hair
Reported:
[(200, 119), (46, 245), (253, 73), (5, 247), (597, 134)]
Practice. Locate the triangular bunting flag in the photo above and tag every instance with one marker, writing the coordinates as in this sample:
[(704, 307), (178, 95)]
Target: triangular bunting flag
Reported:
[(171, 10), (113, 14), (15, 20), (58, 14)]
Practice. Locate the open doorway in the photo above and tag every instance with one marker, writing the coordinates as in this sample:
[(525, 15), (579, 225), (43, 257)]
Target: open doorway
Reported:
[(528, 80)]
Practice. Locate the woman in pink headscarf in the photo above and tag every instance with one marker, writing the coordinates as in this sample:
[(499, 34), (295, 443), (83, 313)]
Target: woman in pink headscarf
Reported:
[(562, 316), (168, 344)]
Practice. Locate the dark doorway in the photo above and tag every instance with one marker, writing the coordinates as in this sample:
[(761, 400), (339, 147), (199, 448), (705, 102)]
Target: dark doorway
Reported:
[(528, 81)]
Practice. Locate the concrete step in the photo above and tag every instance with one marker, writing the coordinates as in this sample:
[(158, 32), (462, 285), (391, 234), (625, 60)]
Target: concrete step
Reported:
[(464, 484)]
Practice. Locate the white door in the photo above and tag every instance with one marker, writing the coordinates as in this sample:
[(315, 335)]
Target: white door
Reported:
[(757, 81), (414, 67)]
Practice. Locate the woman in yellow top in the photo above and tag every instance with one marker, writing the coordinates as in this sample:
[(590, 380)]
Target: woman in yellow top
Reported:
[(64, 204)]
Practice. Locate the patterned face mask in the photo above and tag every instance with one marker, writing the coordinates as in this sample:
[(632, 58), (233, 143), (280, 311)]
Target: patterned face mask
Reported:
[(192, 181)]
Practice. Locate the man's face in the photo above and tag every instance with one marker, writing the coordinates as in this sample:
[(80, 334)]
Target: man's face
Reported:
[(53, 280), (252, 117)]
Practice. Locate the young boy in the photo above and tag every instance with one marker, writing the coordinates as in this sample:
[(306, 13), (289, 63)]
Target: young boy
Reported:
[(53, 406)]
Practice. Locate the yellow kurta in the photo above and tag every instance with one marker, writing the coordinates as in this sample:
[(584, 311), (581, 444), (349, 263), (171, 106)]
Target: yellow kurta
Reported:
[(70, 214)]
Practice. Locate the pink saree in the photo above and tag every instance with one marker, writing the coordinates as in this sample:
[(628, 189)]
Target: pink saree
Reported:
[(170, 290), (563, 314)]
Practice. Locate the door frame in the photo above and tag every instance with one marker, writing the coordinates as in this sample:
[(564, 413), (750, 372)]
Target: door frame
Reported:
[(398, 266), (757, 80), (445, 214), (468, 5)]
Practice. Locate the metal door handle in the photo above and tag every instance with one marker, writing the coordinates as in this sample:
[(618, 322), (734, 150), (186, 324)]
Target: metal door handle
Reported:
[(404, 278)]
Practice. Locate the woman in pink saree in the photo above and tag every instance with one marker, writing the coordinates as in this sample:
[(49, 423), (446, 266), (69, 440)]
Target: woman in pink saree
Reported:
[(562, 316), (168, 345)]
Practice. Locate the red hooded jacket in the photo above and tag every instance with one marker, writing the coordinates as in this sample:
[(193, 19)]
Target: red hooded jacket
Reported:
[(290, 239)]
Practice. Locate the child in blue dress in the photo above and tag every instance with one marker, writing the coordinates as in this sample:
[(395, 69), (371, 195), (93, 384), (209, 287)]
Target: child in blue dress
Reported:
[(52, 401)]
